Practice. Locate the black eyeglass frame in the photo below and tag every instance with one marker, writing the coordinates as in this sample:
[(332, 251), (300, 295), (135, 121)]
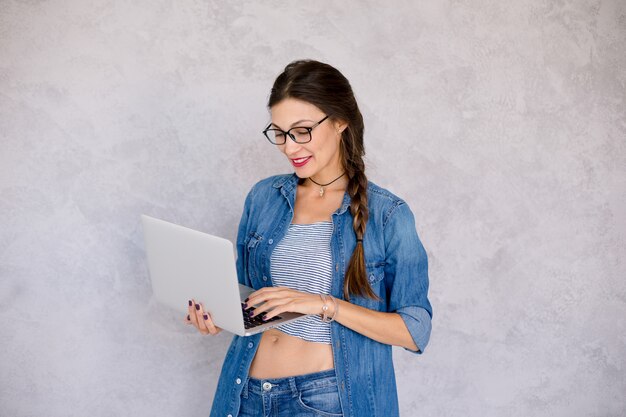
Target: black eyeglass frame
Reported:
[(288, 132)]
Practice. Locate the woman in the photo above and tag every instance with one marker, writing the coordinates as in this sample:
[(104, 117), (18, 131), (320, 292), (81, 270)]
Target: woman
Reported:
[(326, 242)]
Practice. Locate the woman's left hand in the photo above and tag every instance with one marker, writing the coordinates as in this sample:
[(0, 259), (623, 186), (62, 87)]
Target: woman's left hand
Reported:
[(281, 299)]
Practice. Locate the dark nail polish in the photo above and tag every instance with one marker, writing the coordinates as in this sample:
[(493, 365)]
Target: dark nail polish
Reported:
[(206, 316), (190, 303), (188, 318), (264, 318), (197, 306), (246, 300), (250, 313), (245, 306)]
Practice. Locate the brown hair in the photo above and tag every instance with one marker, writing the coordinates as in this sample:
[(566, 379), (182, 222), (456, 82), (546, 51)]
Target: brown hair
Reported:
[(326, 88)]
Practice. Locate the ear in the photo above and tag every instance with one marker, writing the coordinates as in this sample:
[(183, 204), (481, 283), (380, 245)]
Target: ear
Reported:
[(340, 126)]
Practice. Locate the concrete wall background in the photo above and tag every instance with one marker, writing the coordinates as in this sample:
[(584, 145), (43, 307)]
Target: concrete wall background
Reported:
[(501, 123)]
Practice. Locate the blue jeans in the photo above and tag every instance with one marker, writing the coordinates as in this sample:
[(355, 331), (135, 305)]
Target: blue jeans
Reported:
[(310, 395)]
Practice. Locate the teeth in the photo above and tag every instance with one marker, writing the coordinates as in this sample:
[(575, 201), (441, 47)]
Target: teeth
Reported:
[(297, 161)]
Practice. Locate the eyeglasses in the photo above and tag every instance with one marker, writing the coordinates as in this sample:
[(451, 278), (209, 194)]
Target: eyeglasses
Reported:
[(299, 134)]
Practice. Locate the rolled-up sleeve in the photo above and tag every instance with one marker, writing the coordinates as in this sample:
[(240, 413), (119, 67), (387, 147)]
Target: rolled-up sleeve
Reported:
[(419, 323), (406, 274)]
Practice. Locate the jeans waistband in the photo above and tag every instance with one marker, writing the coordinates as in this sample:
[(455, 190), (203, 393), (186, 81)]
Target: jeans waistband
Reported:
[(292, 384)]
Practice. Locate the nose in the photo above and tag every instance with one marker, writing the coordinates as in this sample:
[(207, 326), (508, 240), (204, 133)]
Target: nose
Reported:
[(290, 147)]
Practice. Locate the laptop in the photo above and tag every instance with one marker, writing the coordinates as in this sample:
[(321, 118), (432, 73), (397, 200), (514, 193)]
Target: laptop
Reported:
[(185, 264)]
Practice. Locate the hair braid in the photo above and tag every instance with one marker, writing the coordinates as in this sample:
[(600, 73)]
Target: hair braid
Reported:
[(356, 276)]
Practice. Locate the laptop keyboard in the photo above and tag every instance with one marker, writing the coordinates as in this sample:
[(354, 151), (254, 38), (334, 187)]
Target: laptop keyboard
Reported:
[(250, 322)]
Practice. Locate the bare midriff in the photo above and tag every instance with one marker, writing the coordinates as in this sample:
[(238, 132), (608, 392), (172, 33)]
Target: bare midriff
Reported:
[(280, 355)]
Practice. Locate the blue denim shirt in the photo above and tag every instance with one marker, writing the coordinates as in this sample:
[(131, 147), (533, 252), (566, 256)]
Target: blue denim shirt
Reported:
[(397, 270)]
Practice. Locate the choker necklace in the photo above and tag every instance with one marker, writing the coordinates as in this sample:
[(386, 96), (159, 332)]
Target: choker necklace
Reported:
[(324, 185)]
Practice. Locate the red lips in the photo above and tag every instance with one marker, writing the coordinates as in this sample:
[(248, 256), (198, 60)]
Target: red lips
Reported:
[(299, 162)]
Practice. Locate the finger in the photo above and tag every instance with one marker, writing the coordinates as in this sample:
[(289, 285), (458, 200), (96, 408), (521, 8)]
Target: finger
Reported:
[(200, 317), (196, 317), (270, 306), (188, 316), (267, 293), (253, 298), (208, 321), (279, 309), (193, 318)]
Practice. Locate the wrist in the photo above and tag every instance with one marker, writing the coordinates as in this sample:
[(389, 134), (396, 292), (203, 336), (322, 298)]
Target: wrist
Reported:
[(324, 307), (329, 309)]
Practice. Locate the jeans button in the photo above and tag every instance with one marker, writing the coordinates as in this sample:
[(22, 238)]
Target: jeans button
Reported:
[(270, 241), (267, 386), (238, 381), (264, 278)]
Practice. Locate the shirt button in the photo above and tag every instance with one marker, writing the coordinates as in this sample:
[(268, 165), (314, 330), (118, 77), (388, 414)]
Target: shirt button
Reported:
[(230, 415), (270, 241), (264, 278), (238, 381), (250, 345)]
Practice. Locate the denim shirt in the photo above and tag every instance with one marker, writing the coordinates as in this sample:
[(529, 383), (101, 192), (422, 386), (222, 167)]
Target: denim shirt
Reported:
[(397, 270)]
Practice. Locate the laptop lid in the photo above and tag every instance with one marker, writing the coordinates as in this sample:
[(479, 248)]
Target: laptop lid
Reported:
[(185, 264)]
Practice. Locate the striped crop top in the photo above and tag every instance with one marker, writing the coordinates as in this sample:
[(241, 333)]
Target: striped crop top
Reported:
[(302, 261)]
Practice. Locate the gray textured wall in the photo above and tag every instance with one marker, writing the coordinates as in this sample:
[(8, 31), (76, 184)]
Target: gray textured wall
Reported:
[(501, 123)]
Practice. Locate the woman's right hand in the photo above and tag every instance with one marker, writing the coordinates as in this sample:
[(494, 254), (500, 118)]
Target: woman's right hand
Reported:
[(201, 319)]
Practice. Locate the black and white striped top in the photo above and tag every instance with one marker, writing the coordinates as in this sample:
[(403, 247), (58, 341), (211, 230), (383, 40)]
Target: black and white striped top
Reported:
[(302, 261)]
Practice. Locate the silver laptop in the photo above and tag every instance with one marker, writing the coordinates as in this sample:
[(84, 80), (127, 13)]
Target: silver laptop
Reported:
[(186, 264)]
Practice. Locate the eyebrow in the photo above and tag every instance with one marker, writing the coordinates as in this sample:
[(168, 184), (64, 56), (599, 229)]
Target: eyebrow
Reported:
[(293, 124)]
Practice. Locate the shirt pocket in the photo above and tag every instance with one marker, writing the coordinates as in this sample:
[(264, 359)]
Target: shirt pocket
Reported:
[(375, 272), (375, 276), (252, 243)]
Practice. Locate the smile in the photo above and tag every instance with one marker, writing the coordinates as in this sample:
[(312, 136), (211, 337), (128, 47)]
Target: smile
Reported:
[(300, 161)]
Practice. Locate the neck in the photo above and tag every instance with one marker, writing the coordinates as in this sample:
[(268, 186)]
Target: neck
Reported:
[(326, 179), (338, 183)]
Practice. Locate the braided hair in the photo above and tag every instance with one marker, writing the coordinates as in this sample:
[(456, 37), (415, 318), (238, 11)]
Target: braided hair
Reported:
[(326, 88)]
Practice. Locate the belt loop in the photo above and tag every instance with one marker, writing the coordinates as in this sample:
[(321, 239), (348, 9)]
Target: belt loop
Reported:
[(244, 389), (294, 388)]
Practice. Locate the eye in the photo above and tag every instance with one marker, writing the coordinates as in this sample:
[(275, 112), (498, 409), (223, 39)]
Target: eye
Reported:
[(301, 131)]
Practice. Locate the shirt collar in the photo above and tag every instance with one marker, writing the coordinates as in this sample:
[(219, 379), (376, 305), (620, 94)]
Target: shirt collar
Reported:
[(289, 182)]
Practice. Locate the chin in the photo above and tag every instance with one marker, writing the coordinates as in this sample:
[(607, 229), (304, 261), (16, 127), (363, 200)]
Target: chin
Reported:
[(304, 172)]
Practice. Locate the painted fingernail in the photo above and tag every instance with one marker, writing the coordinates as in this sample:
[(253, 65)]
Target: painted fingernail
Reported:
[(190, 303), (264, 318), (197, 306), (245, 306), (206, 316), (246, 300), (188, 318), (250, 313)]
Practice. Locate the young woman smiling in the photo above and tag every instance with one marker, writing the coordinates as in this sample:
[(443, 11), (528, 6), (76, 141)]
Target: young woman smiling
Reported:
[(322, 241)]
